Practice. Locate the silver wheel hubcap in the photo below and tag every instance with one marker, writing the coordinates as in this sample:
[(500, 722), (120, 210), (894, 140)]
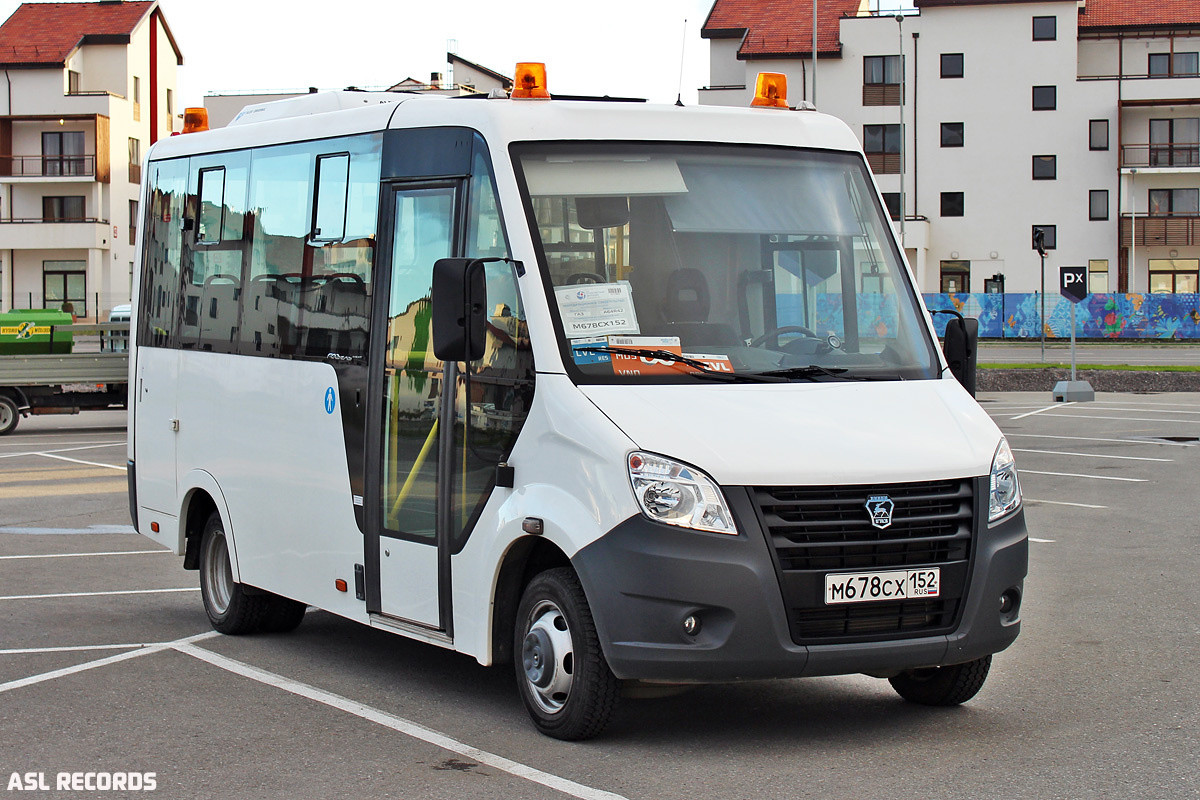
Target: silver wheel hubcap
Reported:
[(6, 415), (218, 573), (548, 658)]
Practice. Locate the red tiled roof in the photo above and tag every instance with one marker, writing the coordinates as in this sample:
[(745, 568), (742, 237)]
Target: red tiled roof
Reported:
[(45, 34), (778, 27), (1140, 14)]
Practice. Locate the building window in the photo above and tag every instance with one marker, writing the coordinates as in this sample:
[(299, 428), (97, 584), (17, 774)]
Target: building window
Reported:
[(64, 286), (133, 221), (62, 153), (881, 80), (881, 143), (891, 200), (1174, 202), (137, 98), (170, 103), (1050, 232), (956, 277), (952, 65), (63, 209), (1098, 276), (1098, 134), (72, 82), (1170, 275), (1045, 29), (1045, 98), (1045, 168), (952, 204), (1175, 142), (1098, 204), (1162, 65), (952, 134), (135, 160)]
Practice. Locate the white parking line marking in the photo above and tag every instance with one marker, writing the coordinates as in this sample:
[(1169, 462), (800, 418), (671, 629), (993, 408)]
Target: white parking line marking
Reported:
[(25, 443), (101, 662), (1152, 410), (1094, 439), (1126, 419), (1040, 410), (82, 555), (123, 529), (1062, 503), (78, 461), (62, 450), (1093, 455), (1067, 475), (96, 594), (399, 724), (1042, 541), (22, 651)]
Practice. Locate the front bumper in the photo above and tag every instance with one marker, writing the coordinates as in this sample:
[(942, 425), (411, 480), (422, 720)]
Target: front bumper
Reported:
[(643, 579)]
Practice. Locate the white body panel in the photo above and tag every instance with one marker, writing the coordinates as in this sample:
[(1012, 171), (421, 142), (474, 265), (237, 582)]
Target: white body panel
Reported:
[(408, 572)]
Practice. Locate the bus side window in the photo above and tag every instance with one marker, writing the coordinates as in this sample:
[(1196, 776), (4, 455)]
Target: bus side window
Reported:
[(161, 260)]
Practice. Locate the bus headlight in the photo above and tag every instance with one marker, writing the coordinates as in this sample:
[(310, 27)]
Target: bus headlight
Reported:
[(677, 494), (1005, 493)]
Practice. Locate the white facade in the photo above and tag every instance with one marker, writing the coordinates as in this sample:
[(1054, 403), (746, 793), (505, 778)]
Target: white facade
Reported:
[(54, 250), (1002, 133)]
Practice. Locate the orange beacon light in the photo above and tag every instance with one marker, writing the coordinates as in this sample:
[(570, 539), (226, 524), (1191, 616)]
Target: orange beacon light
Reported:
[(770, 90), (529, 83)]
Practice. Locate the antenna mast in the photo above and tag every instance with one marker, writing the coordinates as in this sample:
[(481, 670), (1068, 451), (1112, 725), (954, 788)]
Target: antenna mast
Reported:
[(682, 52)]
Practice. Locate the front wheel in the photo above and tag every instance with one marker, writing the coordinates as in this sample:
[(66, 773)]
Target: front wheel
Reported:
[(943, 686), (563, 678), (9, 415)]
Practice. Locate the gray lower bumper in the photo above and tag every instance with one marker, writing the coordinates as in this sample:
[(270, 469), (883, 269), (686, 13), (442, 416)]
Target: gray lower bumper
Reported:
[(643, 579)]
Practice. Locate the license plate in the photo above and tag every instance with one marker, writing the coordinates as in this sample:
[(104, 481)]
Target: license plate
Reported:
[(865, 587)]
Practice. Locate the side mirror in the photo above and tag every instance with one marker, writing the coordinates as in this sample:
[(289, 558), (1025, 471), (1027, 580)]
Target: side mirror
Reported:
[(459, 298), (961, 347)]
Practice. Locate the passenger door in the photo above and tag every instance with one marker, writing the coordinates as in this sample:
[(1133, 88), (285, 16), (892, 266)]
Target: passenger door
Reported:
[(407, 543)]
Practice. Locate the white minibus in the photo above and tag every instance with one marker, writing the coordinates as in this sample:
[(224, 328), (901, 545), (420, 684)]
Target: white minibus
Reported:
[(622, 395)]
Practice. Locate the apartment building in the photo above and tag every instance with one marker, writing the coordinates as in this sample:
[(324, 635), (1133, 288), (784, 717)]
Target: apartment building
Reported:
[(988, 120), (88, 88)]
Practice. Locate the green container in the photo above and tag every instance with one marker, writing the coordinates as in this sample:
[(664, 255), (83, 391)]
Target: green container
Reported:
[(27, 332)]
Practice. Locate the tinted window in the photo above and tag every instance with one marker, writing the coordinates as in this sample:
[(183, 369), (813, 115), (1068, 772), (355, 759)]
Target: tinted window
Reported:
[(161, 256), (952, 204)]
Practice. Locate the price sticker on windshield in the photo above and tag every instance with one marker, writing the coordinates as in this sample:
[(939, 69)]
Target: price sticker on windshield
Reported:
[(596, 309)]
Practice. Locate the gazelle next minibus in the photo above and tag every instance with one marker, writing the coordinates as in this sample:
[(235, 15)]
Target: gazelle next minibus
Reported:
[(619, 394)]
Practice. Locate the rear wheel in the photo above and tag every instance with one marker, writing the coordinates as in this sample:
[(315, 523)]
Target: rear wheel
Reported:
[(9, 415), (943, 686), (564, 680), (234, 608)]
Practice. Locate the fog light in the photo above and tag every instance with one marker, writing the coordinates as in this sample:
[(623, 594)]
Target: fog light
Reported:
[(691, 626), (1009, 602)]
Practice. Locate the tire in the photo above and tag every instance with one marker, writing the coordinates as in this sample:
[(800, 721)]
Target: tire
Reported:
[(284, 615), (9, 415), (230, 609), (562, 676), (943, 686)]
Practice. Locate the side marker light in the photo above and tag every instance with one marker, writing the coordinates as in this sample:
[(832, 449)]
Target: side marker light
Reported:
[(341, 585)]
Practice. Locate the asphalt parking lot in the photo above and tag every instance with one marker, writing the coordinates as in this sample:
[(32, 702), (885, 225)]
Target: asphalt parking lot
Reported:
[(108, 665)]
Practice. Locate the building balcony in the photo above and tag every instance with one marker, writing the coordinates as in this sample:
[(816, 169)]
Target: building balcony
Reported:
[(40, 234), (1179, 156), (1160, 231), (55, 168), (1159, 90)]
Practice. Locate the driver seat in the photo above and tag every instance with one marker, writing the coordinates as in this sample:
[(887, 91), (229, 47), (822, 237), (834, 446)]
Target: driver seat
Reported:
[(685, 310)]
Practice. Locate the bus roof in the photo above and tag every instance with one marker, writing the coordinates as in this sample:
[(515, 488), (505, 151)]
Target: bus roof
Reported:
[(503, 121)]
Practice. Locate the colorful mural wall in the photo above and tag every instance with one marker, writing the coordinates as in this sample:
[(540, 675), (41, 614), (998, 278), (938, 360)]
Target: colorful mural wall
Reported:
[(1099, 316)]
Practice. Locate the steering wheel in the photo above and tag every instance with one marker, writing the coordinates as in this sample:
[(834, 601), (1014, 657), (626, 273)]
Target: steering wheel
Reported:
[(586, 277), (785, 329)]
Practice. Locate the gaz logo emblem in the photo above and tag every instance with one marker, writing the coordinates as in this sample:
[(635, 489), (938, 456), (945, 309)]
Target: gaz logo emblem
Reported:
[(25, 330), (881, 507)]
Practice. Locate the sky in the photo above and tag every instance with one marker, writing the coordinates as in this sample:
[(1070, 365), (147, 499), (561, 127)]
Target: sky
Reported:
[(619, 47)]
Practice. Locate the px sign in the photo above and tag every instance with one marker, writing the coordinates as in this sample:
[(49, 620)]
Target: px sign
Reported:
[(1072, 283)]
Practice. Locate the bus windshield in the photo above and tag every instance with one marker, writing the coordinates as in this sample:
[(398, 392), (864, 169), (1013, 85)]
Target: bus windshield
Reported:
[(674, 262)]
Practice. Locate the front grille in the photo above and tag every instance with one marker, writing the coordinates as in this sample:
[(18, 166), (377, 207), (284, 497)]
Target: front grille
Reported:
[(815, 530)]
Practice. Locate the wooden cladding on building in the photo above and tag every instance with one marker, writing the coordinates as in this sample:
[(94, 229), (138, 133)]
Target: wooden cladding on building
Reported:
[(1162, 231), (881, 94)]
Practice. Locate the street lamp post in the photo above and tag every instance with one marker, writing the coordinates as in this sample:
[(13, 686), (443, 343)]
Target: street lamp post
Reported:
[(900, 57), (1039, 241)]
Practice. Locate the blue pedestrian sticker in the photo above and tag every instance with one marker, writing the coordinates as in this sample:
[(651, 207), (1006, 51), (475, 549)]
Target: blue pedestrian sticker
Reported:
[(330, 400)]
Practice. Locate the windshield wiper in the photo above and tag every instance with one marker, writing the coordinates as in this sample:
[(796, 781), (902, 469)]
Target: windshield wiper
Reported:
[(813, 371), (703, 369)]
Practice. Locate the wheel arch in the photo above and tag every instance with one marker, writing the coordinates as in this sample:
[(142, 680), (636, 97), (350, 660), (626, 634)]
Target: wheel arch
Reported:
[(202, 496), (525, 558)]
